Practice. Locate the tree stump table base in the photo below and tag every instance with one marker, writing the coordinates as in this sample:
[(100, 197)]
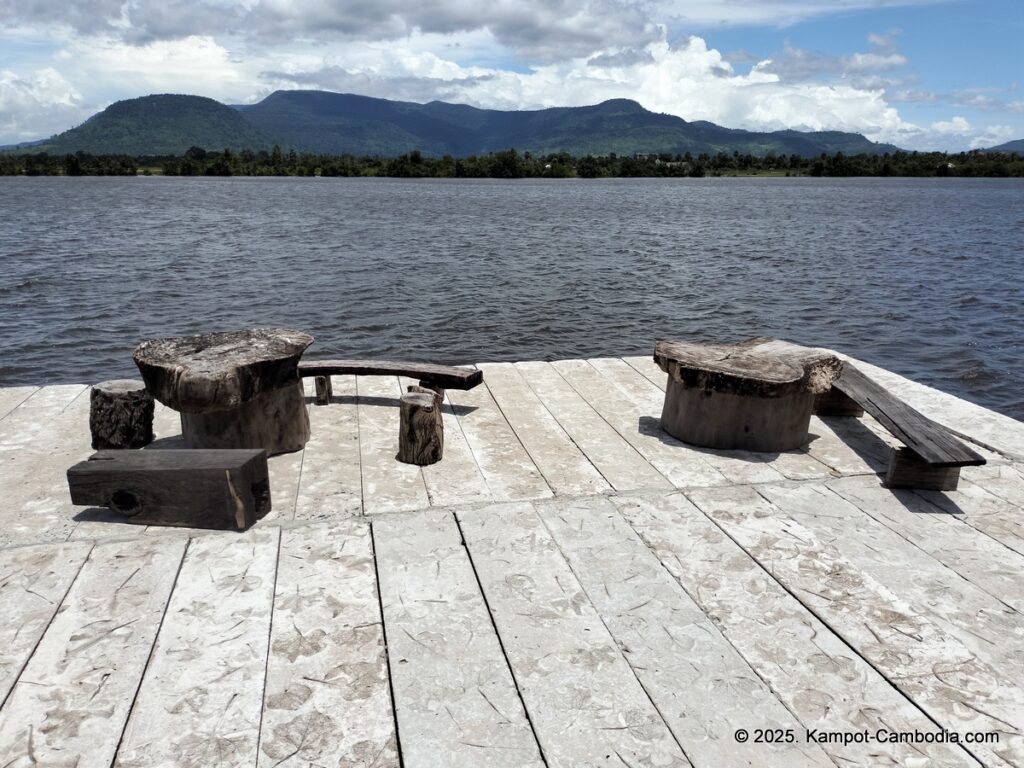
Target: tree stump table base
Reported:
[(234, 389), (756, 395)]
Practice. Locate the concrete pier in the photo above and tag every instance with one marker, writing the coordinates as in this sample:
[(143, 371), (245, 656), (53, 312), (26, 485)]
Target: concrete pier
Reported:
[(568, 587)]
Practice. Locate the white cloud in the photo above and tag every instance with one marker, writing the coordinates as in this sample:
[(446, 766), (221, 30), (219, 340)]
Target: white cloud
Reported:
[(36, 105), (958, 126)]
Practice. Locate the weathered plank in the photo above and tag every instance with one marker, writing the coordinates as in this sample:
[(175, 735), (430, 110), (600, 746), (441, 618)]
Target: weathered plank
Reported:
[(703, 688), (457, 479), (978, 558), (506, 467), (680, 464), (71, 702), (564, 466), (454, 696), (12, 397), (330, 484), (646, 367), (846, 446), (388, 485), (984, 511), (904, 635), (285, 472), (587, 707), (200, 700), (617, 461), (35, 426), (33, 582), (444, 376), (327, 700), (826, 685)]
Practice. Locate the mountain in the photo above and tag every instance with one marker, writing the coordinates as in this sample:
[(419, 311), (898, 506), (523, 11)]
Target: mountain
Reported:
[(320, 121), (158, 125), (1010, 146), (337, 123)]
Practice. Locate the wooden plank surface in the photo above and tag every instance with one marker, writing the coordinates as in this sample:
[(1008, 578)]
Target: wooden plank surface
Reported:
[(200, 700), (982, 510), (457, 478), (702, 687), (71, 702), (33, 582), (980, 559), (327, 700), (330, 482), (388, 484), (586, 705), (682, 466), (455, 699), (816, 675), (564, 466), (506, 466), (12, 397), (617, 461), (925, 650)]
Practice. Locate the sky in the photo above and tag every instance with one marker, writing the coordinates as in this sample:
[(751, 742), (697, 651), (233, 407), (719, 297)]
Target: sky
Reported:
[(920, 74)]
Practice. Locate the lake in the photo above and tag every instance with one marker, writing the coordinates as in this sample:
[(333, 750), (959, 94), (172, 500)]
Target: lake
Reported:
[(923, 277)]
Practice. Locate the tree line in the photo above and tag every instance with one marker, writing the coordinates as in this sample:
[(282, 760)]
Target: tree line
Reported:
[(510, 164)]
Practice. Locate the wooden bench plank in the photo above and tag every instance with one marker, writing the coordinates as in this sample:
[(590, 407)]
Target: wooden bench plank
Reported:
[(950, 653), (33, 583), (565, 467), (701, 685), (929, 440), (445, 376), (454, 696), (978, 558), (71, 702), (388, 484), (585, 703), (617, 461), (330, 483), (813, 672), (202, 694), (327, 700), (506, 466)]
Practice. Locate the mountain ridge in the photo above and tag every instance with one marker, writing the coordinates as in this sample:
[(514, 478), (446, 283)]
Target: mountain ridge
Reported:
[(324, 122)]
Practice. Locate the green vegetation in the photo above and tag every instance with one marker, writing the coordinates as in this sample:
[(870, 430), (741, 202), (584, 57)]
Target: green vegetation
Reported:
[(157, 125), (510, 164)]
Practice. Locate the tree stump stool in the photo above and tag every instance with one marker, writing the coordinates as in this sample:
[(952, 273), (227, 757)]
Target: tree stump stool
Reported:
[(421, 427), (234, 389), (756, 395), (120, 414)]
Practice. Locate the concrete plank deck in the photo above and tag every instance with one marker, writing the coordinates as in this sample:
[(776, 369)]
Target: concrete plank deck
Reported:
[(568, 587)]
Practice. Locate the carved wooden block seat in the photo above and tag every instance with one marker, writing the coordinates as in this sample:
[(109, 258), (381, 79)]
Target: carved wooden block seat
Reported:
[(932, 456), (755, 395), (234, 389)]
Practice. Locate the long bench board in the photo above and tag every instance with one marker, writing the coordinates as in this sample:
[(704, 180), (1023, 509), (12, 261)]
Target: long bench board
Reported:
[(931, 441), (446, 376)]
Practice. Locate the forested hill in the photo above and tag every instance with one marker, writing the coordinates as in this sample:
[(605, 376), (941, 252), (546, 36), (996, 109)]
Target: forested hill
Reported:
[(1010, 146), (320, 121), (158, 125), (333, 123)]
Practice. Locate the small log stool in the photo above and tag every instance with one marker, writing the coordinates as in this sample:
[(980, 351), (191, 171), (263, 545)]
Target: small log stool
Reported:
[(120, 414), (756, 395), (421, 427), (234, 389)]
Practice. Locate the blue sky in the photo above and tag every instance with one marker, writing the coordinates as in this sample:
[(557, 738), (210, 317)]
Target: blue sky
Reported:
[(922, 74)]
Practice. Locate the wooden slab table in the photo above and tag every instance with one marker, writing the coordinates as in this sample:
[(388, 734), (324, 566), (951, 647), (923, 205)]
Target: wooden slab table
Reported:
[(755, 395), (234, 389)]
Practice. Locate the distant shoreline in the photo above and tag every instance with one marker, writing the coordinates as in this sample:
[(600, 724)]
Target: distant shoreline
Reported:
[(510, 164)]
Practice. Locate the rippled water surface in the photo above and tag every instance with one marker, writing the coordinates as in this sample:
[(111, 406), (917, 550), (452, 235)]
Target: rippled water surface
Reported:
[(923, 277)]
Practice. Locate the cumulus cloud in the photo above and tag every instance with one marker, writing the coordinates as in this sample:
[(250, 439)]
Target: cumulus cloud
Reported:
[(800, 64), (957, 126), (37, 104)]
